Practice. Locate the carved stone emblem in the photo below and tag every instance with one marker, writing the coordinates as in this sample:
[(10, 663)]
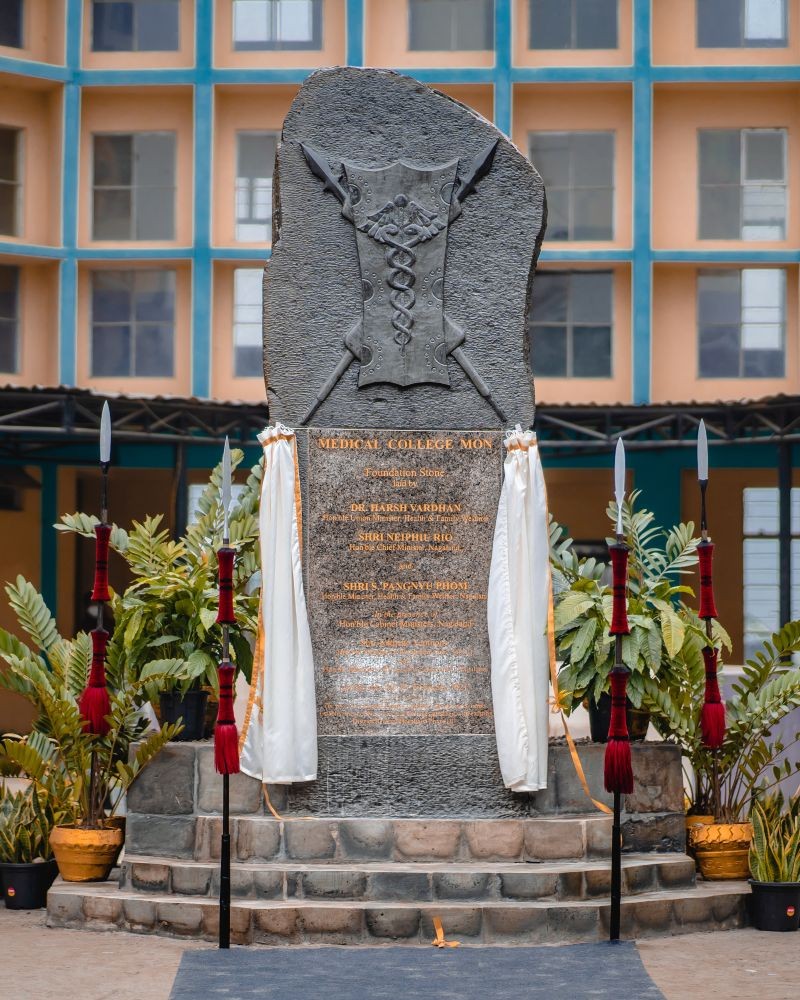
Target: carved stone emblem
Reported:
[(401, 214)]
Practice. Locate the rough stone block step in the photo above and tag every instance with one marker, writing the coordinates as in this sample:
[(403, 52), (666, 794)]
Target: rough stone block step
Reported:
[(384, 882), (707, 907), (263, 838)]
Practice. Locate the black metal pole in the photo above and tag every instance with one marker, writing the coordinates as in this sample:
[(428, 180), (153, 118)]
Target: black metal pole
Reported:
[(616, 839), (616, 870), (225, 851), (225, 870), (784, 532)]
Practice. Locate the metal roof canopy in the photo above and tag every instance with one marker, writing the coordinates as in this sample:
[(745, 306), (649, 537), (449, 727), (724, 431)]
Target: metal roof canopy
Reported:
[(34, 418)]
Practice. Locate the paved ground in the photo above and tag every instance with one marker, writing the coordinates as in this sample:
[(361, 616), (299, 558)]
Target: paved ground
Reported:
[(44, 964)]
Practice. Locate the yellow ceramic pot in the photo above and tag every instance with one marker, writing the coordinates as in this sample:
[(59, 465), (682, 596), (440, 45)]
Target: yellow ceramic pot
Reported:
[(696, 819), (722, 849), (85, 855)]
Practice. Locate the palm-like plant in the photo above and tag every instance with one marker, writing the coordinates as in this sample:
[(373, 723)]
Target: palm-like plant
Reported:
[(165, 620), (77, 771), (663, 628), (725, 782)]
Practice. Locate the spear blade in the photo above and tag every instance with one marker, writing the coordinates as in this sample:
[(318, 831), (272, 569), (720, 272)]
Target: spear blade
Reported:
[(619, 481), (702, 453), (105, 435), (477, 169), (226, 487)]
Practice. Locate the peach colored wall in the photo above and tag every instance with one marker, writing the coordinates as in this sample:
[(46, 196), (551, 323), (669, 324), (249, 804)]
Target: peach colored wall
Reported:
[(678, 113), (675, 343), (38, 309), (621, 56), (22, 557), (181, 383), (570, 107), (36, 110), (332, 52), (141, 60), (675, 40), (224, 385), (147, 109), (479, 97), (726, 519), (240, 109), (616, 389), (386, 41), (42, 32)]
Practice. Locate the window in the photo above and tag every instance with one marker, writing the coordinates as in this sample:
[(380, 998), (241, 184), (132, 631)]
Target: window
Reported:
[(741, 323), (735, 24), (10, 186), (9, 318), (134, 186), (133, 323), (573, 24), (450, 25), (742, 184), (277, 24), (247, 315), (195, 492), (578, 173), (761, 560), (11, 14), (570, 324), (135, 26), (255, 160)]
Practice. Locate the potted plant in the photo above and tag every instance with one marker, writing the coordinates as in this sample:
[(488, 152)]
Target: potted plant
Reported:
[(27, 866), (660, 623), (726, 781), (165, 620), (82, 776), (775, 864)]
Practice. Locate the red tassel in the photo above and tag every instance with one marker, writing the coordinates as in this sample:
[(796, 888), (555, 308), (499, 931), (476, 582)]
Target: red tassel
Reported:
[(712, 716), (102, 534), (705, 553), (225, 612), (94, 703), (226, 738), (617, 769), (619, 566)]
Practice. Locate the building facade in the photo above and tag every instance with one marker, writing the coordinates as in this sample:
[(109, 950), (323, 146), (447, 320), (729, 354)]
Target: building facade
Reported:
[(136, 148)]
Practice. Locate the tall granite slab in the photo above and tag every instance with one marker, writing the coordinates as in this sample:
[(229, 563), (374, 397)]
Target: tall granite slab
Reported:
[(406, 230), (321, 279)]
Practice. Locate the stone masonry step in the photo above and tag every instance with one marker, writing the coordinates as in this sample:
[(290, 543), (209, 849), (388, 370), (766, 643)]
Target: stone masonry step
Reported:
[(384, 882), (263, 838), (707, 907)]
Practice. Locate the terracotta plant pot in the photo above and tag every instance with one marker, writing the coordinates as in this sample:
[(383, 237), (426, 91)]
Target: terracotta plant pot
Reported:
[(722, 849), (695, 819), (85, 855)]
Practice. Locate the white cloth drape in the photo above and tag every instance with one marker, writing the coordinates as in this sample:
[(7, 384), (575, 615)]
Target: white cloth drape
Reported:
[(518, 610), (279, 738)]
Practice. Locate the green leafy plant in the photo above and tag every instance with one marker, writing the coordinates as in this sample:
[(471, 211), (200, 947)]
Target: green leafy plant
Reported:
[(662, 626), (775, 847), (726, 781), (78, 773), (165, 620), (26, 819)]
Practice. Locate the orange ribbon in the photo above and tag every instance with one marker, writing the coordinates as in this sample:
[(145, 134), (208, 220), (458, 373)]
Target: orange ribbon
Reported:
[(439, 941)]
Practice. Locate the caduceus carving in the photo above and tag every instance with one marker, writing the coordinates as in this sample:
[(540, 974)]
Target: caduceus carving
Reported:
[(401, 215)]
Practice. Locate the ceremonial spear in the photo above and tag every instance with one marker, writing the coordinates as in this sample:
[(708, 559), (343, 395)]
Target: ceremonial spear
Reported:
[(712, 716), (94, 703), (617, 770), (226, 738)]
